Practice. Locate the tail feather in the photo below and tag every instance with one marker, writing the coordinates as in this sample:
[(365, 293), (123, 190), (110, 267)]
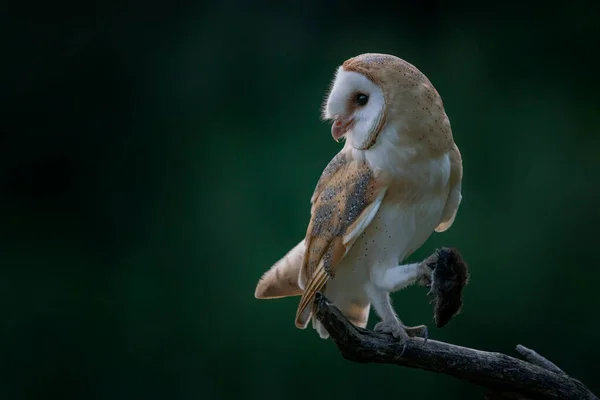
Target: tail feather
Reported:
[(318, 326), (281, 280), (303, 318)]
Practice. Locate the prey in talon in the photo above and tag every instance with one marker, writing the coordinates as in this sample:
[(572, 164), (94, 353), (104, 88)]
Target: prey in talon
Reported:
[(396, 180), (446, 278)]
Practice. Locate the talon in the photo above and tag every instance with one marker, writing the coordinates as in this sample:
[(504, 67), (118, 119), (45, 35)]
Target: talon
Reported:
[(424, 333), (418, 331), (403, 349), (399, 332), (402, 339), (425, 281)]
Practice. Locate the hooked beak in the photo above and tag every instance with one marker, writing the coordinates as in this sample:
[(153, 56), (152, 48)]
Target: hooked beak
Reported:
[(340, 127)]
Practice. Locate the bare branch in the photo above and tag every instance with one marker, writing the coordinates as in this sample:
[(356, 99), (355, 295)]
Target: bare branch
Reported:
[(535, 358), (506, 376)]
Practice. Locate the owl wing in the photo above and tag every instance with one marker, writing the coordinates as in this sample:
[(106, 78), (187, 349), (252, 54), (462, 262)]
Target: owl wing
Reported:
[(454, 195), (345, 201)]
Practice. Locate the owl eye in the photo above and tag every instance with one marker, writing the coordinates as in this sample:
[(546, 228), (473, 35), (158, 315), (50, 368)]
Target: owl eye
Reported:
[(362, 99)]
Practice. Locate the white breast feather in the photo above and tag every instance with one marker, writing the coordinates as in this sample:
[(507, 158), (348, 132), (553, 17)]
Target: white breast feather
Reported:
[(394, 232)]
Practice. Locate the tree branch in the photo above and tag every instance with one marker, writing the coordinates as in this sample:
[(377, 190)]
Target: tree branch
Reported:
[(507, 377)]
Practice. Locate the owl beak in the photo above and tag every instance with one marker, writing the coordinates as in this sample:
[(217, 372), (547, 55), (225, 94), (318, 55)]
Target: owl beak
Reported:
[(340, 127)]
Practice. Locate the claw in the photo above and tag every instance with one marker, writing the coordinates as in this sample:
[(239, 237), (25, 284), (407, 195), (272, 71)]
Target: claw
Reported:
[(418, 331), (425, 334), (395, 328), (403, 348), (401, 333), (425, 281)]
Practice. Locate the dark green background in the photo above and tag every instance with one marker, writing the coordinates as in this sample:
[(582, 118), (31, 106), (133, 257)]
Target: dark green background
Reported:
[(156, 159)]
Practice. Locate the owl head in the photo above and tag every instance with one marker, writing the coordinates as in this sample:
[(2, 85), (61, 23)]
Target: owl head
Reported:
[(374, 93)]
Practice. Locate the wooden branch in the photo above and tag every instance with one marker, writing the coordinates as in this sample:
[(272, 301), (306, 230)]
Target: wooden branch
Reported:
[(505, 376)]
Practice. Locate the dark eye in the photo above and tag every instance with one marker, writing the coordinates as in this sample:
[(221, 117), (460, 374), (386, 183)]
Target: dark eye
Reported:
[(362, 99)]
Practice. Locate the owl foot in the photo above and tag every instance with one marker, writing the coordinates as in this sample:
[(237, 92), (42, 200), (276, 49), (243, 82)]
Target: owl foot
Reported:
[(396, 329), (418, 331)]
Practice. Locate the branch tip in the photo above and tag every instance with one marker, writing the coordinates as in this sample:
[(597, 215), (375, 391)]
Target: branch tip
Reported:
[(537, 359)]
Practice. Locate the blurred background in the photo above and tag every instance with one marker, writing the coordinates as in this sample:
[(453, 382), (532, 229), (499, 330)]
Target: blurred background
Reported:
[(156, 158)]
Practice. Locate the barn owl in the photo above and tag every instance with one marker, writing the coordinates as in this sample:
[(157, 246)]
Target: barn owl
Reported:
[(396, 180)]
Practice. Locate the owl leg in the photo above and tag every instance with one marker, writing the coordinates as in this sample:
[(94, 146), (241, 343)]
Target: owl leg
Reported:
[(389, 280), (398, 277), (380, 299), (444, 272)]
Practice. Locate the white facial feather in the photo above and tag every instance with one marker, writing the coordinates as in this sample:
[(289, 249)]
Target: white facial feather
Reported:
[(346, 85)]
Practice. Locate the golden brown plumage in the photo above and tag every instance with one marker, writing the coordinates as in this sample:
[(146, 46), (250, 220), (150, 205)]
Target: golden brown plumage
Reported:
[(342, 207)]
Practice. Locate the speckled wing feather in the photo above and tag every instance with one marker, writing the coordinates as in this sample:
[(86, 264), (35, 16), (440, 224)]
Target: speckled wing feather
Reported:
[(345, 201)]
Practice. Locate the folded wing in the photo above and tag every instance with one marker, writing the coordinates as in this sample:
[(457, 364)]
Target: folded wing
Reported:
[(346, 200)]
